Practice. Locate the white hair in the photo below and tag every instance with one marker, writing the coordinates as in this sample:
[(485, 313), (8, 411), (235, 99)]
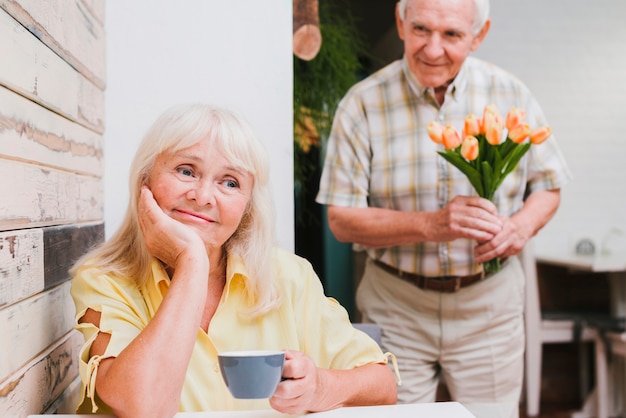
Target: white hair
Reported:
[(481, 13)]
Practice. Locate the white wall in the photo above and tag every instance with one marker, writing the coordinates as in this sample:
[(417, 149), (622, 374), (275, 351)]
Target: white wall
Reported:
[(572, 55), (235, 53)]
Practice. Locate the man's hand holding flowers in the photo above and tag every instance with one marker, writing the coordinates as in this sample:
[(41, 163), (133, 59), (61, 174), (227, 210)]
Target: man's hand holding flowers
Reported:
[(486, 160)]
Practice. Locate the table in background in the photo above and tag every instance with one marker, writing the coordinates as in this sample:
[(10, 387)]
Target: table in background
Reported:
[(422, 410), (614, 265)]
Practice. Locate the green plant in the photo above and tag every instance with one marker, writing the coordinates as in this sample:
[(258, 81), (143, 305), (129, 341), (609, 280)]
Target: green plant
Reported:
[(320, 84)]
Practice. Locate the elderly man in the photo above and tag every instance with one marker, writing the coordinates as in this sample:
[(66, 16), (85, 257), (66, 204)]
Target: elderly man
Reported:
[(425, 231)]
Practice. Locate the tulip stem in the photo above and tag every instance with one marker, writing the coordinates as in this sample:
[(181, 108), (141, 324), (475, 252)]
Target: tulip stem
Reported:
[(492, 266)]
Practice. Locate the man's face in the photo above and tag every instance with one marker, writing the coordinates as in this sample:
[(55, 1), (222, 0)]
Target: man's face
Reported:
[(437, 37)]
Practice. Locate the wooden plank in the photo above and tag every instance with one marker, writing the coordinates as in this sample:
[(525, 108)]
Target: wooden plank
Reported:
[(63, 245), (90, 111), (21, 264), (97, 9), (68, 28), (39, 385), (34, 71), (67, 401), (32, 325), (33, 260), (31, 133), (36, 196)]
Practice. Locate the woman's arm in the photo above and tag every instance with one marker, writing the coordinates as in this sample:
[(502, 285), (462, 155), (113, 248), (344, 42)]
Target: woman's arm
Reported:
[(147, 377)]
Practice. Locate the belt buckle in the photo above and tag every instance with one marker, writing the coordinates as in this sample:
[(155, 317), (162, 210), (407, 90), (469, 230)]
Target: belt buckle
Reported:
[(457, 283)]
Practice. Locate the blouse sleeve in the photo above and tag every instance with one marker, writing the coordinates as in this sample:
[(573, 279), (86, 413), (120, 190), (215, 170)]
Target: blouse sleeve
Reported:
[(328, 334), (123, 315)]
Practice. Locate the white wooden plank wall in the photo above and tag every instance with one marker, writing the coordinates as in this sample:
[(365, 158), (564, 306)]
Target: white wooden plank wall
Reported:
[(52, 82)]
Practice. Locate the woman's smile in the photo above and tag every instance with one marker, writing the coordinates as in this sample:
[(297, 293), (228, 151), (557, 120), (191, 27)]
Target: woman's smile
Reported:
[(193, 216)]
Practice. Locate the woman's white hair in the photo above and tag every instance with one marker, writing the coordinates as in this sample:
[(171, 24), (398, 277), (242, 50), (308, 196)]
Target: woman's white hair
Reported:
[(125, 253), (481, 13)]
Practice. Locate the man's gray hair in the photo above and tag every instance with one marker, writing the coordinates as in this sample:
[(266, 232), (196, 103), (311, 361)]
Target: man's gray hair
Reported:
[(480, 16)]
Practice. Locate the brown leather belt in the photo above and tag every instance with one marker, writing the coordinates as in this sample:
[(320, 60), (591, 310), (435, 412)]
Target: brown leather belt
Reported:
[(445, 284)]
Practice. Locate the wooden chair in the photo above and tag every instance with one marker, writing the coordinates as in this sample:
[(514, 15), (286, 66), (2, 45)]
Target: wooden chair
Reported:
[(547, 328), (608, 344)]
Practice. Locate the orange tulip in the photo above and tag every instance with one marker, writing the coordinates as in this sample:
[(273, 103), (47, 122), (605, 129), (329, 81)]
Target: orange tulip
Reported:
[(469, 148), (435, 132), (519, 133), (472, 125), (539, 135), (515, 117), (494, 134), (492, 127), (451, 137), (490, 116)]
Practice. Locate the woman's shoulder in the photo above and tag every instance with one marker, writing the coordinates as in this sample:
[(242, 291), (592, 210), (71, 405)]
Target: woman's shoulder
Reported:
[(285, 260), (291, 267), (90, 275)]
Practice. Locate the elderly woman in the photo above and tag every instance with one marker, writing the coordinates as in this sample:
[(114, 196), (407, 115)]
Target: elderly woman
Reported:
[(192, 272)]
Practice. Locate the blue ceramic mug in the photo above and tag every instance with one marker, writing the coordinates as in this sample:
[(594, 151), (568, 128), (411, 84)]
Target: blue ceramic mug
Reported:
[(252, 374)]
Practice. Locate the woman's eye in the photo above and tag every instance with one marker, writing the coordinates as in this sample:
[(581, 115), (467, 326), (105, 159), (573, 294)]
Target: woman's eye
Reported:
[(185, 171), (230, 183)]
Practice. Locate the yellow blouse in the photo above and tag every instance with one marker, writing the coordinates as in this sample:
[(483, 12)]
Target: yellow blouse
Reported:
[(306, 321)]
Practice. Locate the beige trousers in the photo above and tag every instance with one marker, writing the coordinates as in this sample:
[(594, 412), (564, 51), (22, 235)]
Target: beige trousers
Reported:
[(473, 338)]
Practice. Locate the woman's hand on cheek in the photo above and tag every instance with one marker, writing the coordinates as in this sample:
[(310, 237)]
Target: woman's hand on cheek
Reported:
[(297, 392), (165, 237)]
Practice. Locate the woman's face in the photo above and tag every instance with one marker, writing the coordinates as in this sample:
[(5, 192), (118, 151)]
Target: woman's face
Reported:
[(198, 187)]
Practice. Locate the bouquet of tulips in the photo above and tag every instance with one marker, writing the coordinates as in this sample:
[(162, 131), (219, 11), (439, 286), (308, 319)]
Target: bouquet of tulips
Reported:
[(481, 154)]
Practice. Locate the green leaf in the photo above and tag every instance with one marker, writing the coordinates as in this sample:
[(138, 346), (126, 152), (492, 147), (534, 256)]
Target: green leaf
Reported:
[(514, 157), (482, 144), (506, 147), (487, 150), (496, 166), (511, 161), (497, 162), (466, 168), (487, 180)]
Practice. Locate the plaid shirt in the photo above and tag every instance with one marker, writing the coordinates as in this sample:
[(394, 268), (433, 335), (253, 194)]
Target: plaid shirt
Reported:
[(380, 155)]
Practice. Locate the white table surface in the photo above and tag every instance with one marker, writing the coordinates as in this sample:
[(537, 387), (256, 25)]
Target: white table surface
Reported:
[(438, 409), (423, 410)]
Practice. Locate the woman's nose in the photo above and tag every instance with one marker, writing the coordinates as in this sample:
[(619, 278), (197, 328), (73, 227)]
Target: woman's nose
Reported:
[(203, 193)]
